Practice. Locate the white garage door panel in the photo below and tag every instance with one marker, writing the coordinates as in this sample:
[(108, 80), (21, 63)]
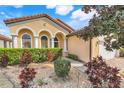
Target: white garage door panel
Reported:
[(106, 54)]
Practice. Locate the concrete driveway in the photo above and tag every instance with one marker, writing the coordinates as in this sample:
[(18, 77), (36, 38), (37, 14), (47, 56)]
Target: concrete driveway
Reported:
[(116, 62)]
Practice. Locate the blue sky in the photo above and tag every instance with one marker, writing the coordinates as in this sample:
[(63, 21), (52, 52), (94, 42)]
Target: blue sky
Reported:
[(72, 15)]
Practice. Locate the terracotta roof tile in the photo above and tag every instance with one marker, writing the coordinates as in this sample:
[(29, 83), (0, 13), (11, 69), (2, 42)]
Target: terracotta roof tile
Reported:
[(76, 32), (2, 37)]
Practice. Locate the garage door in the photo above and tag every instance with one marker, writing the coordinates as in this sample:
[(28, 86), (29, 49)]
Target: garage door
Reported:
[(104, 53)]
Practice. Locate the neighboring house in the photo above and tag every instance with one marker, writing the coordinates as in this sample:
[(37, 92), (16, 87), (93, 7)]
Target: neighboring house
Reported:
[(42, 31), (5, 42)]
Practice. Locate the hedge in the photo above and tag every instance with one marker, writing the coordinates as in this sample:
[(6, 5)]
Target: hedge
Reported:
[(122, 52), (38, 54)]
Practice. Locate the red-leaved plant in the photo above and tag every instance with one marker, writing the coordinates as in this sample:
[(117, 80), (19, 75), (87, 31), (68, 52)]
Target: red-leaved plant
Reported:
[(26, 77), (4, 60), (26, 58), (50, 56), (102, 75)]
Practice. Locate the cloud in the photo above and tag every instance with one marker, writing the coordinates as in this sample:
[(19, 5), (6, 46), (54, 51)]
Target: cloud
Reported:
[(50, 6), (2, 13), (2, 31), (77, 24), (64, 9), (61, 9), (18, 6), (80, 15), (79, 19)]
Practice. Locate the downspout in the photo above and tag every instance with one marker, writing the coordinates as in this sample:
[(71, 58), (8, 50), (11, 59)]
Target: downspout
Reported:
[(90, 49)]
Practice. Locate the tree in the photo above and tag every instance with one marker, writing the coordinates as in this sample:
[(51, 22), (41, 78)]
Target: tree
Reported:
[(108, 21)]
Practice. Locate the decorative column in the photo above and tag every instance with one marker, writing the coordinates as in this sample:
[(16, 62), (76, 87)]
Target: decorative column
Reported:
[(52, 41), (14, 41), (10, 45), (48, 43), (7, 44), (36, 42), (65, 44)]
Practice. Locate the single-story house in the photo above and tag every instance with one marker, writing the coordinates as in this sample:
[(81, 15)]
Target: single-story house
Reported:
[(5, 42), (43, 31)]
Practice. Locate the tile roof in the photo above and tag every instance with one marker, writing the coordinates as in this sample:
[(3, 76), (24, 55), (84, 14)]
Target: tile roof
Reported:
[(2, 37), (57, 21), (75, 33)]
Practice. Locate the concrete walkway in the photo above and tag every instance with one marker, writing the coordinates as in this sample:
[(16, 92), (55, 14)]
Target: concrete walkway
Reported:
[(76, 64)]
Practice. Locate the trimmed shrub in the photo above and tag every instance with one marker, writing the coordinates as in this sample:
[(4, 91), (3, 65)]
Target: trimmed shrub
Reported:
[(62, 67), (38, 54), (122, 52), (72, 56)]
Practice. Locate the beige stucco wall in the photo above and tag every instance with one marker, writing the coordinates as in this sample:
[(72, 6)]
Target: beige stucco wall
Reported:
[(37, 27), (78, 47), (81, 48), (61, 40), (1, 44), (95, 47)]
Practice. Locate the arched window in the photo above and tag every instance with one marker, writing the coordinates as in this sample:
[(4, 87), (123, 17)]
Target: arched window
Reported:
[(56, 42), (44, 42), (26, 41)]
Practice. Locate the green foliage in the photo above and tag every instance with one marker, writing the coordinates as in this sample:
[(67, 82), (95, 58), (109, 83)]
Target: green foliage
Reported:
[(72, 56), (41, 82), (38, 54), (62, 67), (122, 52), (121, 73), (108, 21)]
